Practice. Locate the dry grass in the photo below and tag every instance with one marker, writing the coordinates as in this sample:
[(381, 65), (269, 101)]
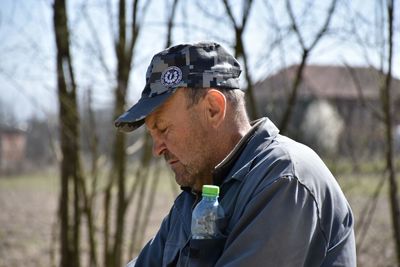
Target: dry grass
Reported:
[(28, 206)]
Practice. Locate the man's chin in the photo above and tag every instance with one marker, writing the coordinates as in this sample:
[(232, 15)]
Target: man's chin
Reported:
[(182, 182)]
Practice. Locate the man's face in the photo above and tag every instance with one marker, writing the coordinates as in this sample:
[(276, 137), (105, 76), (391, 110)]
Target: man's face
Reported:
[(180, 135)]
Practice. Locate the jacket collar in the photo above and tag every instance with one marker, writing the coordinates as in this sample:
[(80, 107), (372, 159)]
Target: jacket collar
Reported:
[(236, 164)]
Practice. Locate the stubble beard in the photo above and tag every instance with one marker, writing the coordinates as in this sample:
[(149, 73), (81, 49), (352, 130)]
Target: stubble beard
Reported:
[(194, 174), (198, 171)]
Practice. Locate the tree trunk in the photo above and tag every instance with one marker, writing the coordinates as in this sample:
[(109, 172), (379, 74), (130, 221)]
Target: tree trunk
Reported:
[(250, 88), (124, 48), (285, 121), (89, 196), (170, 23), (240, 51), (387, 109), (69, 138)]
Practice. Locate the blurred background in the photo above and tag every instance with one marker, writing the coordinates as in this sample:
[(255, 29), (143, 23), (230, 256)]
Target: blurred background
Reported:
[(75, 192)]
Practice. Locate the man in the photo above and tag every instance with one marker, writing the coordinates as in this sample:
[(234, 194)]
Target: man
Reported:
[(282, 205)]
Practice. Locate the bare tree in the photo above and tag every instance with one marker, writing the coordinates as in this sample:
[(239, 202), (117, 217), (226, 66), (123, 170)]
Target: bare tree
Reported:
[(240, 51), (89, 191), (69, 137), (170, 22), (388, 120), (141, 184), (383, 114), (118, 197), (124, 48), (306, 51)]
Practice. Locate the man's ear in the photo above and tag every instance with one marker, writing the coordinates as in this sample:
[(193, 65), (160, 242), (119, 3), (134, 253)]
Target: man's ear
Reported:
[(215, 107)]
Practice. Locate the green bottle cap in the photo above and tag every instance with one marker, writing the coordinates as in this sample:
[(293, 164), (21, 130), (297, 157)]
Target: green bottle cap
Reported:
[(210, 190)]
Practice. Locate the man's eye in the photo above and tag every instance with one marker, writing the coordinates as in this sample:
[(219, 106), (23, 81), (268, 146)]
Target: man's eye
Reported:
[(163, 130)]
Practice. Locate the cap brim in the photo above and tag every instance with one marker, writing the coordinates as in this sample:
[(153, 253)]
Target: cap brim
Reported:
[(135, 116)]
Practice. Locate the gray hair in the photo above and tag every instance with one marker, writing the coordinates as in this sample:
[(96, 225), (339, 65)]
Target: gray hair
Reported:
[(234, 97)]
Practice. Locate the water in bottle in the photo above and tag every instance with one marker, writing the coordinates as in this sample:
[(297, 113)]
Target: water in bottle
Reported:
[(206, 214)]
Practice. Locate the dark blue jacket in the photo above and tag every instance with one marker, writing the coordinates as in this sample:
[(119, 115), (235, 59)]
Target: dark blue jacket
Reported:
[(283, 208)]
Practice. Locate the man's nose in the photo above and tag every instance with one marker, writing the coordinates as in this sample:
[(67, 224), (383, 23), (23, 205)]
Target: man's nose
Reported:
[(158, 147)]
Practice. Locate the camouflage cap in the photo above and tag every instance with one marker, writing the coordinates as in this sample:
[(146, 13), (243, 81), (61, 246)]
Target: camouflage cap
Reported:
[(201, 65)]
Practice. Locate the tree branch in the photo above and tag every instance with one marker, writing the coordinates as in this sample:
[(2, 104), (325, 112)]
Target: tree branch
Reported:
[(230, 14), (97, 41), (325, 26), (170, 21), (294, 25), (111, 22), (246, 11), (357, 84)]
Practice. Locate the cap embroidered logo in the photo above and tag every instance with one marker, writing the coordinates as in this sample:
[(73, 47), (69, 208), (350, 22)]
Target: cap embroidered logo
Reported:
[(171, 76)]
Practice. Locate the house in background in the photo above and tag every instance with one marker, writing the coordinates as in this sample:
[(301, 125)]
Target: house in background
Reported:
[(12, 149), (333, 103)]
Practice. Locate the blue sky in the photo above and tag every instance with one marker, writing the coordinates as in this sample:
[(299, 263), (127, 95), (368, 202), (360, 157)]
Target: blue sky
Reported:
[(27, 50)]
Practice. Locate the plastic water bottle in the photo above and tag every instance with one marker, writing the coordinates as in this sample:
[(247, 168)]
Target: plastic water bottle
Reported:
[(206, 213)]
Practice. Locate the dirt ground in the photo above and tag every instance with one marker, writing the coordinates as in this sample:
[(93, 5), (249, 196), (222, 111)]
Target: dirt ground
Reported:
[(28, 208), (26, 217)]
